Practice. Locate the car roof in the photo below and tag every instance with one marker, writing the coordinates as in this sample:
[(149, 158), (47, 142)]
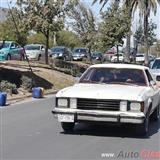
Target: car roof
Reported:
[(115, 65), (157, 58), (140, 54), (6, 41), (35, 45), (59, 47)]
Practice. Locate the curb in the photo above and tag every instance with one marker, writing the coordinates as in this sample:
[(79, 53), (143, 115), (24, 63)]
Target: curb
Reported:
[(19, 99)]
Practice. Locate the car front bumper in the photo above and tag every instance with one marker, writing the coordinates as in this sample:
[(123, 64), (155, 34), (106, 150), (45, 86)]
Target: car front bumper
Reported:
[(101, 116), (3, 57)]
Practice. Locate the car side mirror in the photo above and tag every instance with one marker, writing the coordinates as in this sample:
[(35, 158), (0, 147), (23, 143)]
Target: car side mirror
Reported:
[(152, 83), (158, 78)]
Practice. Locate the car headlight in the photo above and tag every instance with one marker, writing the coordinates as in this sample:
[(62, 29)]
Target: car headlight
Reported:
[(60, 54), (62, 102), (137, 106), (123, 106)]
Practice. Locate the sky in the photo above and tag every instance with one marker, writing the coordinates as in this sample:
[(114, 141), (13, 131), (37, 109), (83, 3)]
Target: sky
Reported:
[(96, 8)]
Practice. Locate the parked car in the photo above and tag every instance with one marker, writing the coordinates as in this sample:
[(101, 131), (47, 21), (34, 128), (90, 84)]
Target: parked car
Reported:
[(155, 69), (140, 58), (80, 53), (61, 52), (117, 57), (11, 51), (119, 93), (98, 56), (108, 55), (35, 51)]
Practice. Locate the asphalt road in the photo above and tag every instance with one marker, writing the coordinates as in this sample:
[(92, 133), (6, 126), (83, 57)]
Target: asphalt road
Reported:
[(29, 131)]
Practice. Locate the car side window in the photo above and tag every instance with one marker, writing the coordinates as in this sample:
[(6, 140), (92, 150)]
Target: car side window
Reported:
[(149, 76), (16, 45), (13, 45)]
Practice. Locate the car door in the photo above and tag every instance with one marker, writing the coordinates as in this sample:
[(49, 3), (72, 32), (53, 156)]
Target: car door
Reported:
[(154, 92), (12, 50)]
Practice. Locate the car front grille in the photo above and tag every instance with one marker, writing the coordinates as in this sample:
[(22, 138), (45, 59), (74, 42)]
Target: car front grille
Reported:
[(98, 104)]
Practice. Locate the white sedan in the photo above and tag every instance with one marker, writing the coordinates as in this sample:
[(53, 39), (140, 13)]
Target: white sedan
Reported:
[(120, 93), (35, 51)]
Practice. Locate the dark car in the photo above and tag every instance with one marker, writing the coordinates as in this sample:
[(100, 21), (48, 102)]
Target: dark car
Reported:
[(61, 52), (80, 53), (97, 56)]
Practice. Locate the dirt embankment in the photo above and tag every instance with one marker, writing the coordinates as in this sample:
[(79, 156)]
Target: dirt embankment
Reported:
[(43, 75)]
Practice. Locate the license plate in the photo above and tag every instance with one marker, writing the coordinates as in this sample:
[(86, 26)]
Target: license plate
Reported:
[(65, 118)]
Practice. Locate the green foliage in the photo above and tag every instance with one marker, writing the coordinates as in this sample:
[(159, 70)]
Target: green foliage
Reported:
[(83, 23), (39, 38), (139, 34), (27, 83), (114, 27), (6, 86), (69, 39), (44, 17), (8, 30)]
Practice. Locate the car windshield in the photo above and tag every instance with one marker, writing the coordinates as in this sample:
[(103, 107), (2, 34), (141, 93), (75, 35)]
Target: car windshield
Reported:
[(96, 54), (80, 50), (118, 55), (57, 49), (114, 76), (156, 64), (140, 55), (5, 45), (32, 47)]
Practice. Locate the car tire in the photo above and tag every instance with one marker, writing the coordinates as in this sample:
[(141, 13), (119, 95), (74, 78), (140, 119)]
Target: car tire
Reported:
[(8, 57), (143, 128), (67, 126), (156, 115), (64, 58)]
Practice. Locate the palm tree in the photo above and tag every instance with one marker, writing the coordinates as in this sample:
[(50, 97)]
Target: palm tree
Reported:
[(145, 7), (129, 7)]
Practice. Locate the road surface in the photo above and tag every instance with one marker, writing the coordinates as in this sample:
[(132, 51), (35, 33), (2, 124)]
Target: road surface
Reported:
[(30, 132)]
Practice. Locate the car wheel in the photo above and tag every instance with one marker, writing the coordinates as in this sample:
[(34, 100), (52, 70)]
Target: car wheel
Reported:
[(155, 115), (8, 57), (67, 127), (144, 127), (64, 58)]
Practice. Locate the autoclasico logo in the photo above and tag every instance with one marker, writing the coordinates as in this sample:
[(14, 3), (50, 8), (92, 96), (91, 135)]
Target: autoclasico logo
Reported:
[(144, 154)]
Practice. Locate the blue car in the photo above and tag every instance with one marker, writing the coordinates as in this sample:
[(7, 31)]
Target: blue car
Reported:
[(10, 50)]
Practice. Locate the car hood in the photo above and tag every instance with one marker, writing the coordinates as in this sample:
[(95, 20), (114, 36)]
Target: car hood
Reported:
[(155, 71), (104, 91)]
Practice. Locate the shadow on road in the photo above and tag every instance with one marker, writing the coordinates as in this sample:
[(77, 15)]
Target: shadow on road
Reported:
[(108, 130)]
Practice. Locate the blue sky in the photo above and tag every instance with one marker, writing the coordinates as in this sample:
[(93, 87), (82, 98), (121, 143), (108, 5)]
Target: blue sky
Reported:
[(96, 8)]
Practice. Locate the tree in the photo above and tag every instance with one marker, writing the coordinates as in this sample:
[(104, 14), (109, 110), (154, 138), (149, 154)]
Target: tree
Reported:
[(8, 30), (114, 27), (145, 6), (69, 39), (43, 16), (83, 23), (139, 35)]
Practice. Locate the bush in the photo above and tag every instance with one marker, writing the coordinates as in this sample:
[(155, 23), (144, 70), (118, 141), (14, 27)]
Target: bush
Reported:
[(27, 83), (6, 86)]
